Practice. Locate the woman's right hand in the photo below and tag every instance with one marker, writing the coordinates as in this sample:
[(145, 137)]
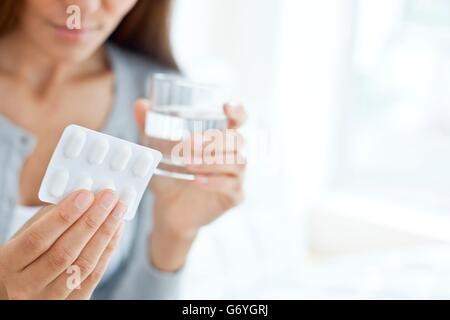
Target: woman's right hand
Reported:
[(79, 234)]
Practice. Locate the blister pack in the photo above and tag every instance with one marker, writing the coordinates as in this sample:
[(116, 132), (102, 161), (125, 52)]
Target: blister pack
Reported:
[(85, 159)]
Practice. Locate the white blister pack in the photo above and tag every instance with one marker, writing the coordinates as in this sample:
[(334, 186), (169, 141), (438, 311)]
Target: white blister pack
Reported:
[(85, 159)]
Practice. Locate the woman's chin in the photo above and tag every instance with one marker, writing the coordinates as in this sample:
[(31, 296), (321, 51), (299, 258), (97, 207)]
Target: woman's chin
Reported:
[(64, 45), (60, 52)]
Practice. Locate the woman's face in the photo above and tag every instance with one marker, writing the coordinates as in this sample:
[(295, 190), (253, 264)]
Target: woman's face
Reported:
[(44, 23)]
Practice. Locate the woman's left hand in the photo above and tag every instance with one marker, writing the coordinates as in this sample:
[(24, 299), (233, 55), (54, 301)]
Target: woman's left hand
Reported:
[(183, 207)]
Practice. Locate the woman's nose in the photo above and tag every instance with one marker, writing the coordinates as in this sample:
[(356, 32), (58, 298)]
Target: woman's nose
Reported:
[(86, 6)]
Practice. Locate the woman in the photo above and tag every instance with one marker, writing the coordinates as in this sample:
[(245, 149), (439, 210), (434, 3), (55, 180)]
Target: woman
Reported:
[(51, 77)]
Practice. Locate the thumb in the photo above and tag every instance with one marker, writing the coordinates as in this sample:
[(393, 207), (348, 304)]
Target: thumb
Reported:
[(141, 108)]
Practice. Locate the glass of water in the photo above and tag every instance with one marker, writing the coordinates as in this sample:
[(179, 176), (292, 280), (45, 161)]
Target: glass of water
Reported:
[(180, 109)]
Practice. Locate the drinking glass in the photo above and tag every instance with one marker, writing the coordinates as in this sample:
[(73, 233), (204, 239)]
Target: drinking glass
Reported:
[(180, 109)]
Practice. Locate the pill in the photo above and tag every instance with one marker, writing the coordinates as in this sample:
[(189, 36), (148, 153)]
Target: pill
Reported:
[(120, 158), (143, 165), (58, 183), (85, 182), (75, 144), (128, 196), (98, 151)]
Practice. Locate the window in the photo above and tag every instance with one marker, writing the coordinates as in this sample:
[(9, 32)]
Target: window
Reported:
[(395, 137)]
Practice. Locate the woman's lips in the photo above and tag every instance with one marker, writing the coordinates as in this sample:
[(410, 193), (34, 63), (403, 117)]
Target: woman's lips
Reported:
[(73, 35)]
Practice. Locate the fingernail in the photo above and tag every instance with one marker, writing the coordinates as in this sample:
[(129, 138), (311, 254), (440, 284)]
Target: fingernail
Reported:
[(83, 200), (108, 199), (119, 210), (202, 179)]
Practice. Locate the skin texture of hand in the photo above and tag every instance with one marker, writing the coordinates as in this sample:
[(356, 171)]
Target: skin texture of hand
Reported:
[(82, 231), (183, 207)]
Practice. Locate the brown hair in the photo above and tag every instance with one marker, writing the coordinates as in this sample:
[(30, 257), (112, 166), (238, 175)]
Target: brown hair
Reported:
[(146, 28)]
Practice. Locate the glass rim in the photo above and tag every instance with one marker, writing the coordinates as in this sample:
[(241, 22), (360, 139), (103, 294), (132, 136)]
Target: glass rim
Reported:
[(180, 81)]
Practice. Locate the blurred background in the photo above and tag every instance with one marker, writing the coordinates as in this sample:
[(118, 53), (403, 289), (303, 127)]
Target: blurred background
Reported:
[(348, 146)]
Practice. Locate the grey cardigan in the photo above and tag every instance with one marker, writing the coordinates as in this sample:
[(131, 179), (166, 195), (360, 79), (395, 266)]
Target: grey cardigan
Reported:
[(135, 277)]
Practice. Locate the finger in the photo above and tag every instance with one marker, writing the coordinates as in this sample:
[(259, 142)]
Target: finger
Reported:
[(219, 163), (91, 282), (217, 169), (68, 247), (89, 257), (237, 115), (141, 108), (229, 186), (41, 235), (32, 220)]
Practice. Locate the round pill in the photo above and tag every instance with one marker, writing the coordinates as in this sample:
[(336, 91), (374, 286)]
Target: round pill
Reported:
[(85, 182), (98, 151), (58, 183), (75, 144), (120, 158), (143, 165)]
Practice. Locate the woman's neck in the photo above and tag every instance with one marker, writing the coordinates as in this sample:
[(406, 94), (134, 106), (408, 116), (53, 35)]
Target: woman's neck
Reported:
[(23, 60)]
